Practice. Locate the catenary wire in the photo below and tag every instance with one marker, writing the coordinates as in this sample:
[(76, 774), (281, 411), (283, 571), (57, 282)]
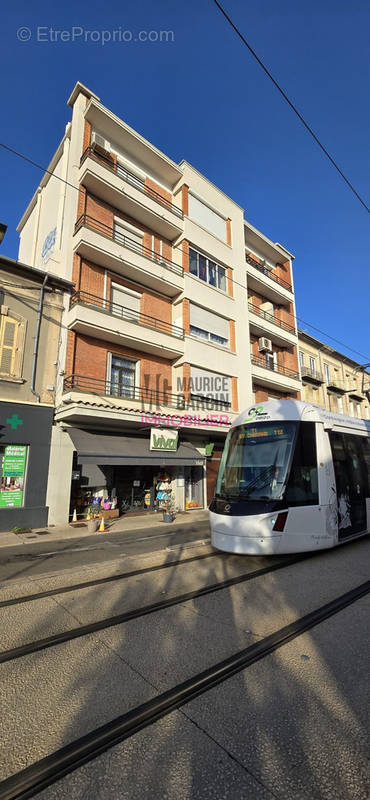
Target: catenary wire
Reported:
[(78, 189), (292, 106)]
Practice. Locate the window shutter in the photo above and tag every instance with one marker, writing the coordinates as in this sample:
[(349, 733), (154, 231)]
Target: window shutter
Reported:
[(207, 321), (8, 345)]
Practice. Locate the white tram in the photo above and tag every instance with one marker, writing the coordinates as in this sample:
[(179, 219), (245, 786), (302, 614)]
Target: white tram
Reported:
[(292, 477)]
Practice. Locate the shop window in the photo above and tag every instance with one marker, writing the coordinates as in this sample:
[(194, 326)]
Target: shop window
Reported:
[(12, 335), (13, 461)]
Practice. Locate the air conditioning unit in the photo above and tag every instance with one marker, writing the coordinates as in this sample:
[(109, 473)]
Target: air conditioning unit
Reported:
[(264, 344), (98, 141)]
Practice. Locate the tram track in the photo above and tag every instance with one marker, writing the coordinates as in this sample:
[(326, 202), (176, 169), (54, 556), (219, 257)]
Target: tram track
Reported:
[(118, 619), (43, 773), (27, 598)]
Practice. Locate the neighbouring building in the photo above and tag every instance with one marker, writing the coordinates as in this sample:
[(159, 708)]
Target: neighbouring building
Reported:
[(31, 308), (331, 379), (182, 314)]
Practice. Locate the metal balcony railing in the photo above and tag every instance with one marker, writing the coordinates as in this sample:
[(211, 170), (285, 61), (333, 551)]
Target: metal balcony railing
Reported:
[(268, 272), (314, 374), (150, 397), (335, 383), (270, 318), (129, 177), (260, 361), (113, 233), (128, 314)]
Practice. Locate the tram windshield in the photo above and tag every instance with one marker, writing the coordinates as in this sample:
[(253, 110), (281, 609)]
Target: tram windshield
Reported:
[(256, 460)]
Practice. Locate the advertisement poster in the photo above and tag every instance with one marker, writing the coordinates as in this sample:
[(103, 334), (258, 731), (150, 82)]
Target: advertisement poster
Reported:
[(12, 475)]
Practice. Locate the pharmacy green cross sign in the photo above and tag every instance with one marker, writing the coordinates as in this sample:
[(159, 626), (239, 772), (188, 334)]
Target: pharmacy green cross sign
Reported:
[(14, 421)]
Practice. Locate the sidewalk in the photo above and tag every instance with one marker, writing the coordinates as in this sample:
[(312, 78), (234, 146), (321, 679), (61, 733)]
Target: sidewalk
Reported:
[(125, 524)]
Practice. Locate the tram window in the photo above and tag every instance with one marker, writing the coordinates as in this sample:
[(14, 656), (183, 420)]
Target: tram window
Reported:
[(302, 487)]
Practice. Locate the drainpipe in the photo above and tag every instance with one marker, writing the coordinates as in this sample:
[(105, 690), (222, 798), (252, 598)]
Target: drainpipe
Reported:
[(37, 338)]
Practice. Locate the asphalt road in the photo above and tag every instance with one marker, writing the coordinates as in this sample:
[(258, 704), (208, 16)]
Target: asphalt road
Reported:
[(45, 558), (292, 726)]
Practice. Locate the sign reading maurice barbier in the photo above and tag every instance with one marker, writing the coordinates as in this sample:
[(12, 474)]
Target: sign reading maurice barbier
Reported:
[(163, 439)]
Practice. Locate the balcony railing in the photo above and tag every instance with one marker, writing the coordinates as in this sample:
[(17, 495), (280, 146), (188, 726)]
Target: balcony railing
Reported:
[(259, 361), (335, 384), (143, 394), (128, 314), (267, 272), (129, 177), (270, 318), (313, 374), (112, 233)]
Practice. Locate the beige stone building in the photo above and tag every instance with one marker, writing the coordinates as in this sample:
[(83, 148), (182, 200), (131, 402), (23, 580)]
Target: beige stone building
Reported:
[(331, 379)]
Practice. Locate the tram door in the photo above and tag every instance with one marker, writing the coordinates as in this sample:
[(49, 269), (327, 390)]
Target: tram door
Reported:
[(351, 480)]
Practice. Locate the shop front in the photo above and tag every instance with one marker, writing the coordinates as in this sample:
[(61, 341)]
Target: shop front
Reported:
[(135, 474), (25, 432)]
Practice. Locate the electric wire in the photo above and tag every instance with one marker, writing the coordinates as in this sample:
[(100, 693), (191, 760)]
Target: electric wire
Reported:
[(79, 189), (292, 106)]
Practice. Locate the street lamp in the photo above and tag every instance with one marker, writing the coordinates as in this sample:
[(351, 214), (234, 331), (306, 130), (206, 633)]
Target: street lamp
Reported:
[(3, 229)]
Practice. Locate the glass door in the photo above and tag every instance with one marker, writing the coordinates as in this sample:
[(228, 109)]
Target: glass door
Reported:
[(351, 483), (123, 377)]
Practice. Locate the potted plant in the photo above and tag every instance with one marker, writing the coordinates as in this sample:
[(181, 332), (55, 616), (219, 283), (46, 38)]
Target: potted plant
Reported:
[(92, 523), (169, 510)]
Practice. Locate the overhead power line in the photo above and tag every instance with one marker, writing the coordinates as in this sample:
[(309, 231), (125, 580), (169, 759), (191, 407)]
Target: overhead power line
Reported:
[(78, 189), (292, 106)]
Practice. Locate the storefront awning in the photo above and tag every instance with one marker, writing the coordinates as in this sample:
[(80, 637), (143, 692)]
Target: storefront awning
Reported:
[(97, 448)]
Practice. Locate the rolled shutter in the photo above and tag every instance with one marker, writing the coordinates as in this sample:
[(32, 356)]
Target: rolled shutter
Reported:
[(207, 321)]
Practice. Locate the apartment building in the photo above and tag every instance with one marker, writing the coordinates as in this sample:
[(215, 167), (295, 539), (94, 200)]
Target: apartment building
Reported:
[(182, 315), (31, 308), (331, 379)]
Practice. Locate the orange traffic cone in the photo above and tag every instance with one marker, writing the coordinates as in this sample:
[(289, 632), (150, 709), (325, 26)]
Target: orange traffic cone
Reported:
[(101, 526), (74, 518)]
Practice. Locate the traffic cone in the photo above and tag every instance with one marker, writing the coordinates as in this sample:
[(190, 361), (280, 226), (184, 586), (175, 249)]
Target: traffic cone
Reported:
[(101, 526), (74, 518)]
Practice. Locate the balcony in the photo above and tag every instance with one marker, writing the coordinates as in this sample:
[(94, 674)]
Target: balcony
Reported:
[(312, 375), (105, 178), (111, 322), (270, 375), (148, 398), (335, 385), (111, 249), (264, 281), (262, 323)]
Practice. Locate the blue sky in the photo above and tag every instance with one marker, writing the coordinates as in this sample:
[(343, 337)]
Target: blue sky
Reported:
[(203, 98)]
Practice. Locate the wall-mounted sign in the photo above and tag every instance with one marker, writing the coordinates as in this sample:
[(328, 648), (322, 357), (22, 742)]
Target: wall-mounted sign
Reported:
[(12, 475), (49, 245), (163, 439)]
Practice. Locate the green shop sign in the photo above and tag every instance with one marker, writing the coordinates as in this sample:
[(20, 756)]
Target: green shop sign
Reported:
[(163, 439), (12, 475)]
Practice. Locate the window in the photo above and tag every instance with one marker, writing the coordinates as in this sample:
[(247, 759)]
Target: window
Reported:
[(358, 409), (122, 377), (301, 358), (210, 386), (126, 234), (207, 270), (351, 408), (312, 365), (302, 488), (207, 325), (12, 334), (271, 361), (205, 216), (340, 405), (124, 302), (326, 373)]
